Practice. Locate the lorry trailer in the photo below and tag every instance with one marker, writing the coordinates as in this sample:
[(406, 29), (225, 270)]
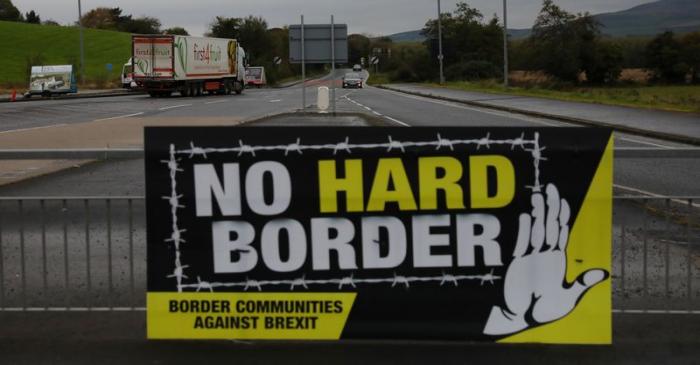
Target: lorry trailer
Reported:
[(191, 66)]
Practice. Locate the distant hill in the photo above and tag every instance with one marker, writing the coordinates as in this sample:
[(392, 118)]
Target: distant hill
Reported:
[(680, 16), (59, 46)]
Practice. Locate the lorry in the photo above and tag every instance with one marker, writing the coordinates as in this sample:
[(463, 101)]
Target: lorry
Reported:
[(255, 76), (191, 66), (51, 80)]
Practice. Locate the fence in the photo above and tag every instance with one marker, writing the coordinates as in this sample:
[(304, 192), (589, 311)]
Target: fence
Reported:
[(88, 254)]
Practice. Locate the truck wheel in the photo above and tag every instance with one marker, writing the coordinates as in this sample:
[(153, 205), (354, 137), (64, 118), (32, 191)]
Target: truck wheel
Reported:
[(185, 91), (238, 87), (199, 89), (153, 94)]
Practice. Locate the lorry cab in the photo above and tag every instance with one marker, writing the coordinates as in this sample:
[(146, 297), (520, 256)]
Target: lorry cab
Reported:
[(127, 76)]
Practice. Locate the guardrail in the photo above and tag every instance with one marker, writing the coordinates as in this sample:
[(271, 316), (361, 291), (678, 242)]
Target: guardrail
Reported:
[(89, 254)]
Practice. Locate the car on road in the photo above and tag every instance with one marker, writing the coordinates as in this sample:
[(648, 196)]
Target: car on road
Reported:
[(357, 68), (352, 80)]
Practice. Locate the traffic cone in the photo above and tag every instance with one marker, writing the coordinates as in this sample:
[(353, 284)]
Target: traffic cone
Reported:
[(14, 95)]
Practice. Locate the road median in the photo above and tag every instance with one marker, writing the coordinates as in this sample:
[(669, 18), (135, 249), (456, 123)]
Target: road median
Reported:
[(82, 95)]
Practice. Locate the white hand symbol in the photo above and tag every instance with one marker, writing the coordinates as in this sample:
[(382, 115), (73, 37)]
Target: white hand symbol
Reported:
[(535, 287)]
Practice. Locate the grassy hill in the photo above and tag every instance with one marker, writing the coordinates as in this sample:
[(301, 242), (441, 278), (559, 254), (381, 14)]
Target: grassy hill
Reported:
[(25, 44)]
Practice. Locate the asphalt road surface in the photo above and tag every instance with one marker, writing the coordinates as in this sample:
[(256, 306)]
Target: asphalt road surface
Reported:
[(668, 176)]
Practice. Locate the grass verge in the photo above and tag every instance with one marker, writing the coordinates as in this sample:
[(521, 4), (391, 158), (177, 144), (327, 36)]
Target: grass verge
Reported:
[(25, 45), (684, 98), (378, 79)]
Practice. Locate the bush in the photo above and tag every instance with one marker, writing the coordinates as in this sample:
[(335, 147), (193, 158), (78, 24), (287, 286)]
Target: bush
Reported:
[(664, 58), (473, 70), (605, 63)]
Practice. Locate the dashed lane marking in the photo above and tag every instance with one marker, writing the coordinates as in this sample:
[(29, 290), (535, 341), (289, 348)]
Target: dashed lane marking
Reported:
[(174, 106)]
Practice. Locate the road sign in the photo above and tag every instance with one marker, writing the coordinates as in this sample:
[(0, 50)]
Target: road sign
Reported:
[(375, 60), (109, 67), (317, 39), (277, 60)]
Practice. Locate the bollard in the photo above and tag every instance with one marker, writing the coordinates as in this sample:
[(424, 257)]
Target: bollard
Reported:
[(323, 99), (13, 97)]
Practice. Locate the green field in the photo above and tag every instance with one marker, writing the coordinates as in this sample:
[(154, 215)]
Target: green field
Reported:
[(23, 44), (685, 98)]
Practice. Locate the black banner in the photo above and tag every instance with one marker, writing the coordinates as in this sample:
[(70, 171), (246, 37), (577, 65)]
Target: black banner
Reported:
[(423, 233)]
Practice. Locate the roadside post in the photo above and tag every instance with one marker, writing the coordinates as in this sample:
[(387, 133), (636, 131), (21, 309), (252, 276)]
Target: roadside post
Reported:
[(375, 62), (333, 64), (13, 96), (303, 67)]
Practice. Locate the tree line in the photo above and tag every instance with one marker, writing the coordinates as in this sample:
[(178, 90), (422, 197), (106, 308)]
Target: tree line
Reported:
[(570, 48)]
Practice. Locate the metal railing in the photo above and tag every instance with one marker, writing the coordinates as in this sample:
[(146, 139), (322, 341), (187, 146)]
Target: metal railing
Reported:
[(72, 254), (89, 254)]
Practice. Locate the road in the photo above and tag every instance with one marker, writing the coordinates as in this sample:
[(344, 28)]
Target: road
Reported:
[(669, 176)]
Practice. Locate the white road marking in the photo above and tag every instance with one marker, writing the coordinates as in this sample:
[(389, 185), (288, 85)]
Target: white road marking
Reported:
[(377, 113), (174, 106), (118, 117), (653, 195), (396, 121), (216, 102), (275, 101), (32, 129), (644, 142)]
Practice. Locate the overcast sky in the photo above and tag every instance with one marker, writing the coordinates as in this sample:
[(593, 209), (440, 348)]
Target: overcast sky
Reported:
[(377, 17)]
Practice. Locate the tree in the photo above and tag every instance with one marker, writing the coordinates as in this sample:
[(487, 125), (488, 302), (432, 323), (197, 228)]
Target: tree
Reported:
[(51, 22), (176, 31), (253, 37), (556, 42), (358, 47), (101, 18), (142, 25), (604, 64), (664, 58), (223, 27), (691, 54), (566, 45), (32, 17), (467, 39), (9, 12)]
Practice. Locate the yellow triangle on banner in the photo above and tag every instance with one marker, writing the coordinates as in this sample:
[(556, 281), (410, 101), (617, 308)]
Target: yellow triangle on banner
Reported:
[(589, 248)]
